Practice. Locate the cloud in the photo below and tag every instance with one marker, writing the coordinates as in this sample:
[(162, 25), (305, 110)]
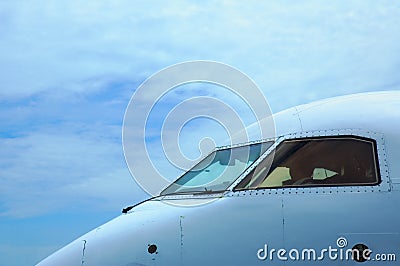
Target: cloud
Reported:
[(41, 173), (281, 45)]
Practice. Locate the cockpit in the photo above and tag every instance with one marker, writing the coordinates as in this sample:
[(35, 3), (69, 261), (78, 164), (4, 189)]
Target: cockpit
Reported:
[(306, 162)]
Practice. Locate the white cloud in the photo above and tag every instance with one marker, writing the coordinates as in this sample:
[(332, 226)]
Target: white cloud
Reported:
[(42, 173), (284, 46)]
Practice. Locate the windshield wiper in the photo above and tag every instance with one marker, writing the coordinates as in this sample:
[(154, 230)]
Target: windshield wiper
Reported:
[(193, 192)]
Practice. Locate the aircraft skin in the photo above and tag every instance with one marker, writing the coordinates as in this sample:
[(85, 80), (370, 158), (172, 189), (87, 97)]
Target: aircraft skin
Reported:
[(241, 227)]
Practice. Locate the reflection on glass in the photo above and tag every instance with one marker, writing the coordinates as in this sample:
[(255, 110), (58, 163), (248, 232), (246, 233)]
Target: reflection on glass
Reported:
[(218, 170)]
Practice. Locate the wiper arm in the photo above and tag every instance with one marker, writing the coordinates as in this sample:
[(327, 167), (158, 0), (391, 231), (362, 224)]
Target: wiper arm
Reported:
[(193, 192)]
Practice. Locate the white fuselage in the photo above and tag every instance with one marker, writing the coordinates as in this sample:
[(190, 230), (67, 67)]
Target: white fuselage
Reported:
[(277, 225)]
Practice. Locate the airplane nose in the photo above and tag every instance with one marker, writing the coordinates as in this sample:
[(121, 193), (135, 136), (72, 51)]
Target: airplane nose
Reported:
[(72, 254), (149, 235)]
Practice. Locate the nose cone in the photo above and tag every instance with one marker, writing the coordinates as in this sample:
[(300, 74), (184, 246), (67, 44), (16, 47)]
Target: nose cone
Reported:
[(149, 235), (72, 254)]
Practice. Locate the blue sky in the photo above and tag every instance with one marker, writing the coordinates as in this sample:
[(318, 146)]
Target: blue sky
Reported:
[(69, 69)]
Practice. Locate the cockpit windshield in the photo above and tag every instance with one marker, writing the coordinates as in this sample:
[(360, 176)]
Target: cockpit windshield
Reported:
[(218, 170)]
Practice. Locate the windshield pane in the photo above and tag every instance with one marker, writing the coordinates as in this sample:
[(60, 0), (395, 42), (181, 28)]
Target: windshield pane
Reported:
[(326, 161), (218, 170)]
